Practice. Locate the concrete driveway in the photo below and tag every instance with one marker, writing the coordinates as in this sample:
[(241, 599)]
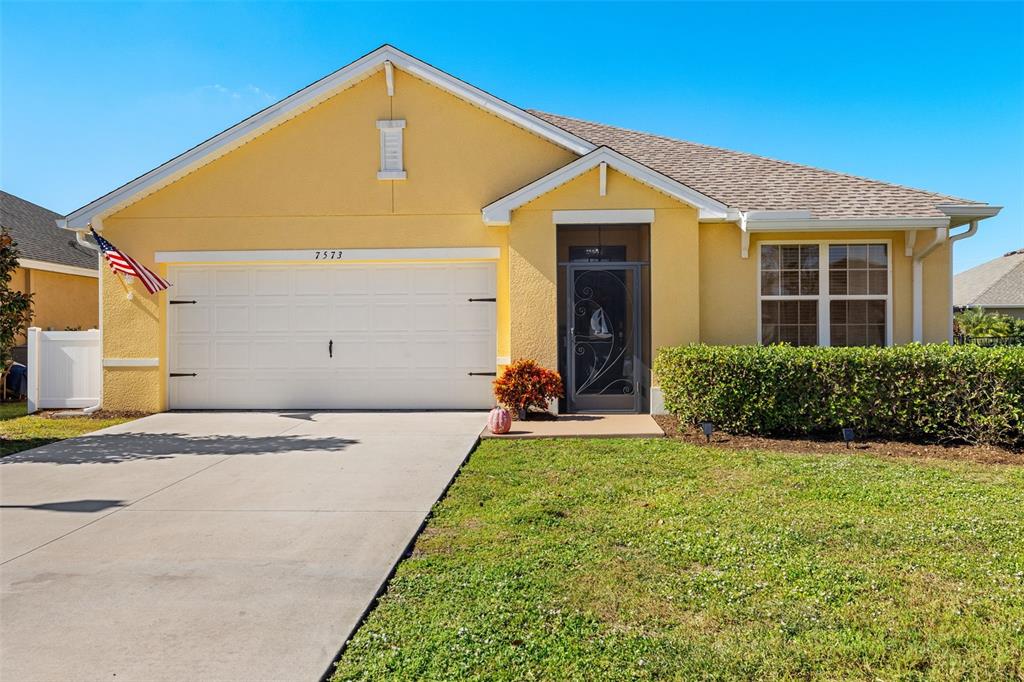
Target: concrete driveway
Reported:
[(211, 546)]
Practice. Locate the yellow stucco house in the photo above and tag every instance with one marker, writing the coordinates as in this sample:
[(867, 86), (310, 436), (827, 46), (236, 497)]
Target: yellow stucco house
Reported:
[(390, 237), (60, 274)]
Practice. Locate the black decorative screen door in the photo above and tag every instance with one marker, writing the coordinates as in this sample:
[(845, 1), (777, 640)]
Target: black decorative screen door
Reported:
[(602, 346)]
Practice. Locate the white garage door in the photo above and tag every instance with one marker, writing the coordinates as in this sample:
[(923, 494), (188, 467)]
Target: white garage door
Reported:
[(339, 336)]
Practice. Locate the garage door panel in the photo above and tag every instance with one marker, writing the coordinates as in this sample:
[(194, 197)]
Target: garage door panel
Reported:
[(386, 280), (312, 317), (474, 317), (391, 316), (432, 317), (312, 282), (271, 282), (404, 336), (192, 319), (271, 317), (351, 281), (231, 318), (475, 280), (192, 355)]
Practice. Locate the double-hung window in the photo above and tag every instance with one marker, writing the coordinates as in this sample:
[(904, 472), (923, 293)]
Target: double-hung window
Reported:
[(825, 293)]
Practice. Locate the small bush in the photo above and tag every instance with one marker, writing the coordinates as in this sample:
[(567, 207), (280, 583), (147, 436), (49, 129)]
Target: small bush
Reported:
[(929, 393), (525, 384)]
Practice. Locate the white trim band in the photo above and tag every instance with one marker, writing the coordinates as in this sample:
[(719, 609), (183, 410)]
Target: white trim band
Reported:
[(131, 362), (608, 217), (330, 255), (46, 266)]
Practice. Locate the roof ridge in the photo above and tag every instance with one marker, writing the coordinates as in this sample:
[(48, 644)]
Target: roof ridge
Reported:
[(760, 157)]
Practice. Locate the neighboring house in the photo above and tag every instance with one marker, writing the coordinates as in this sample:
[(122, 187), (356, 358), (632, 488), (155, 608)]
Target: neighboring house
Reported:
[(60, 274), (390, 236), (997, 285)]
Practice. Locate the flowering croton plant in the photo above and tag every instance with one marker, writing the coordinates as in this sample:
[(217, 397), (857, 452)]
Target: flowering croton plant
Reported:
[(525, 384)]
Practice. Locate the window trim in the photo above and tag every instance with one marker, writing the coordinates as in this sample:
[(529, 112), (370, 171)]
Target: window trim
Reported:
[(823, 297)]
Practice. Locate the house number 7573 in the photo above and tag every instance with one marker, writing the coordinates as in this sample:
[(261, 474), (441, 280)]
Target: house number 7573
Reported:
[(327, 255)]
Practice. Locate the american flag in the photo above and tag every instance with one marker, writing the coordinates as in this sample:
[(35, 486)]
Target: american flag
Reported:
[(122, 262)]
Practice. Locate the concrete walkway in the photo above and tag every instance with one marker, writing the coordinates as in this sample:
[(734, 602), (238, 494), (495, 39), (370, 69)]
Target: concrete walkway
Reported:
[(584, 426), (211, 546)]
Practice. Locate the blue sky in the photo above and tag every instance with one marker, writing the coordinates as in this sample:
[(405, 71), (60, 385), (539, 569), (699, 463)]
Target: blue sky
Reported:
[(927, 95)]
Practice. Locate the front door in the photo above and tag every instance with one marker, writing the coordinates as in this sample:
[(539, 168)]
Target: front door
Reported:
[(602, 345)]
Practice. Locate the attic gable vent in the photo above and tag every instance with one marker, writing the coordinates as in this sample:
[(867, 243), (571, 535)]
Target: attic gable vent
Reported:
[(391, 164)]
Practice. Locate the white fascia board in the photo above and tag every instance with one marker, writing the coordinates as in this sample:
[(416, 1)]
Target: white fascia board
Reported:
[(969, 210), (500, 211), (624, 216), (845, 224), (330, 255), (304, 100), (57, 267)]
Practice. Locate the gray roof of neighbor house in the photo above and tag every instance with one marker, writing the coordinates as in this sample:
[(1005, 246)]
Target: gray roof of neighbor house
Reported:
[(998, 282), (756, 183), (37, 235)]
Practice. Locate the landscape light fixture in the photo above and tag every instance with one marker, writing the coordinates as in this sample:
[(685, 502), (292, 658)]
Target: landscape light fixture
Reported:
[(848, 436), (708, 428)]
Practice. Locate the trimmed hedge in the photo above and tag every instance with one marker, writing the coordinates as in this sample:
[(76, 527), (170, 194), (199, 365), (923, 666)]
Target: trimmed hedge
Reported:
[(925, 393)]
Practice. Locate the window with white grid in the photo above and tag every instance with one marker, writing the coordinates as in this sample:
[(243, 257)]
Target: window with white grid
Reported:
[(824, 293)]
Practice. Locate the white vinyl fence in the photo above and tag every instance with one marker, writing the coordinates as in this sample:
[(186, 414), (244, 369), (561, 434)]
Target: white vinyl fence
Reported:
[(63, 369)]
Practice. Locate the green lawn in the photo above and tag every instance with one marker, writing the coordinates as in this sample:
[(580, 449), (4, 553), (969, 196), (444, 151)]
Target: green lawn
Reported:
[(20, 431), (595, 560)]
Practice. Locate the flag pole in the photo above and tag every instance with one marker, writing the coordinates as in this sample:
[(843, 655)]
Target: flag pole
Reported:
[(127, 291)]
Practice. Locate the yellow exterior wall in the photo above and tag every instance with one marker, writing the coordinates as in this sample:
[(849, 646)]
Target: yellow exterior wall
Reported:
[(311, 183), (729, 284), (675, 265), (59, 301)]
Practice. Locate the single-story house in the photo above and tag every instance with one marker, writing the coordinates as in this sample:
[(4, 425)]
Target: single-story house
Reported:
[(391, 236), (61, 274), (996, 286)]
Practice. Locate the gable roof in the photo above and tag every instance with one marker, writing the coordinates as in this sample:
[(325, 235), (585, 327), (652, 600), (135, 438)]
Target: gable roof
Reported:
[(37, 235), (998, 282), (499, 212), (755, 183), (302, 101)]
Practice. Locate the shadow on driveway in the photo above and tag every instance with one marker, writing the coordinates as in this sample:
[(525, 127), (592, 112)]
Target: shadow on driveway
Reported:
[(113, 448)]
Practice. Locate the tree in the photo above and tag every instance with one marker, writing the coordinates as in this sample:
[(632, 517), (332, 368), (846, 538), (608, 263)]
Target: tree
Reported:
[(15, 306)]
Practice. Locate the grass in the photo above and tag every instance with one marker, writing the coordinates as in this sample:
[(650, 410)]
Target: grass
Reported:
[(20, 431), (623, 560)]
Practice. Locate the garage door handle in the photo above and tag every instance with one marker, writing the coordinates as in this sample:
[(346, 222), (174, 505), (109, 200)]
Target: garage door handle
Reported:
[(483, 374), (180, 302), (183, 374), (475, 300), (330, 348)]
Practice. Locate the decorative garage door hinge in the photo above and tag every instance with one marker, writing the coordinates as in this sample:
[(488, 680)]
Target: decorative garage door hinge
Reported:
[(180, 302), (183, 374), (482, 300), (483, 374)]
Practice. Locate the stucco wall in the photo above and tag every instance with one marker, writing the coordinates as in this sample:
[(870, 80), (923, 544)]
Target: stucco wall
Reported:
[(311, 183), (729, 284), (59, 301)]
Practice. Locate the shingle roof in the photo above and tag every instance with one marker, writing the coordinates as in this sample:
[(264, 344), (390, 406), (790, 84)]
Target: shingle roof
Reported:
[(38, 236), (756, 183), (997, 282)]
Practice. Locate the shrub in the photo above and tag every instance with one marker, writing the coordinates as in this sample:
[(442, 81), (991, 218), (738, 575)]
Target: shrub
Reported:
[(525, 384), (929, 393), (978, 322)]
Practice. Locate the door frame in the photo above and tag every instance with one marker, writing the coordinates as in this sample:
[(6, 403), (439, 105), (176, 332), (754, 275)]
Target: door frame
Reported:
[(637, 311)]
